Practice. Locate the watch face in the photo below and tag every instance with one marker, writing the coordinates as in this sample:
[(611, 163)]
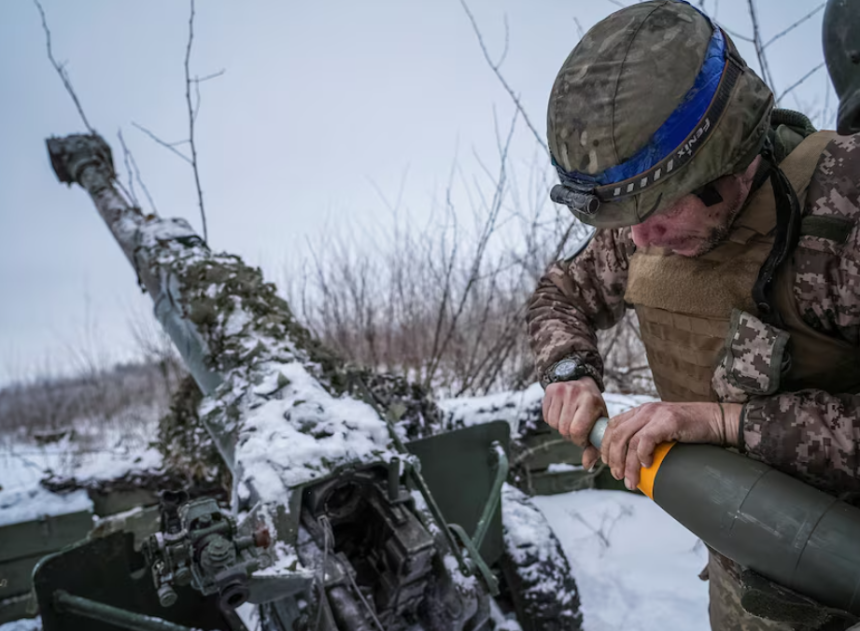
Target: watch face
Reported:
[(565, 368)]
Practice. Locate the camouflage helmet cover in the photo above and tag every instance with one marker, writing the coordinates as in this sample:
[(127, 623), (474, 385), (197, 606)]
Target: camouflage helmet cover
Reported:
[(653, 103), (841, 35)]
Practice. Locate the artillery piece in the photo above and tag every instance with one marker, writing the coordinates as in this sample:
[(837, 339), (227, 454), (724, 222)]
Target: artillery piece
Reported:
[(334, 522)]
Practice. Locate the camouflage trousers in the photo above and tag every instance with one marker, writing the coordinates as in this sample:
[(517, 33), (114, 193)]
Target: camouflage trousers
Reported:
[(728, 614), (725, 608)]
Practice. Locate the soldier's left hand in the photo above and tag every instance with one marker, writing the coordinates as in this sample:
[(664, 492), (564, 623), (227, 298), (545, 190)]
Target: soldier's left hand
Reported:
[(632, 436)]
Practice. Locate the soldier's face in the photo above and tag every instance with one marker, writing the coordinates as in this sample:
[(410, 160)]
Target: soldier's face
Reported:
[(695, 224)]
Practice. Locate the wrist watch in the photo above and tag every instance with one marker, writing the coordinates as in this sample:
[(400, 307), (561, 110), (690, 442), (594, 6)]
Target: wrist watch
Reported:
[(570, 369)]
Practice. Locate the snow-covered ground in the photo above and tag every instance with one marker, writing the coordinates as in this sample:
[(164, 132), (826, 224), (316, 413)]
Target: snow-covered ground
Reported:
[(636, 568), (101, 451)]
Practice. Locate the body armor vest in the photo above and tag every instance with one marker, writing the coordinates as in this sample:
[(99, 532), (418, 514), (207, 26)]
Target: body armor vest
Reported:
[(688, 309)]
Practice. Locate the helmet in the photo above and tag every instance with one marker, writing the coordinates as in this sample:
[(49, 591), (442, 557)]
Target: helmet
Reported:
[(841, 34), (652, 104)]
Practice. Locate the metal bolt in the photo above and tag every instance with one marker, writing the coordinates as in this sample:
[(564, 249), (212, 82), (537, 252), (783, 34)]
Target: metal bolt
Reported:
[(183, 576), (166, 595)]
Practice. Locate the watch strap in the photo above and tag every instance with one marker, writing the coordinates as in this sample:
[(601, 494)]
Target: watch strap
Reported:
[(582, 370)]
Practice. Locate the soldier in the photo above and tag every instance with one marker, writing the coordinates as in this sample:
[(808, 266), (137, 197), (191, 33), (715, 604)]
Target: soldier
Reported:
[(731, 228)]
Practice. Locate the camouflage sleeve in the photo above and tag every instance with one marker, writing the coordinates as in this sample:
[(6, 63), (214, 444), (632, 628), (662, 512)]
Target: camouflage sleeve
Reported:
[(809, 434), (813, 434), (577, 296)]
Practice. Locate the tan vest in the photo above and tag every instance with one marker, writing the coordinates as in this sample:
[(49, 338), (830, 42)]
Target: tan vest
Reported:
[(684, 305)]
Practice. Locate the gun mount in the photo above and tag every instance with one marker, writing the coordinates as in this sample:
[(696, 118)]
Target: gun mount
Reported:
[(334, 523)]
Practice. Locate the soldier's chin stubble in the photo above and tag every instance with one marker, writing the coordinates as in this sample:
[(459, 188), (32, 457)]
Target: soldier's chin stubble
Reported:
[(718, 234)]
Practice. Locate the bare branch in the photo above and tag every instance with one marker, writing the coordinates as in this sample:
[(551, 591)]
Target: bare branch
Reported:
[(127, 161), (759, 49), (197, 82), (800, 81), (501, 78), (618, 3), (129, 156), (580, 31), (61, 70), (164, 144), (191, 117), (793, 26), (504, 54), (209, 77), (736, 35)]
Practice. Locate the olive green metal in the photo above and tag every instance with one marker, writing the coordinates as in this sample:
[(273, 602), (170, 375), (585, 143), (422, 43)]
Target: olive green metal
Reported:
[(484, 570), (492, 505), (112, 615), (841, 39), (414, 473), (455, 467), (394, 479), (108, 570), (776, 525)]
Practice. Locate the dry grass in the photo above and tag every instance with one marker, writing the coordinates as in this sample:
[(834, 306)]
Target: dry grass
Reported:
[(443, 303)]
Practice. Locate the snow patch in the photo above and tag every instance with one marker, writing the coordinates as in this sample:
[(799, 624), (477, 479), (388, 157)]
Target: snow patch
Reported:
[(563, 467), (635, 566), (26, 624), (463, 582), (510, 407), (35, 503), (520, 408), (305, 434)]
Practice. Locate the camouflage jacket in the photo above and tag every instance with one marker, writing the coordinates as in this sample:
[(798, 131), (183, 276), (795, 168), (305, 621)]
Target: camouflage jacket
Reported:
[(812, 434)]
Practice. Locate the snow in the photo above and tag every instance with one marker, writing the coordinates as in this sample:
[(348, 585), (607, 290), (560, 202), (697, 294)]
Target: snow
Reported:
[(306, 433), (510, 407), (563, 467), (464, 582), (35, 502), (529, 542), (617, 403), (27, 624), (95, 452), (518, 407), (636, 567)]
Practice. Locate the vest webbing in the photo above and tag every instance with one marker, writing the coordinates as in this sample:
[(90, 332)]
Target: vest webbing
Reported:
[(684, 304)]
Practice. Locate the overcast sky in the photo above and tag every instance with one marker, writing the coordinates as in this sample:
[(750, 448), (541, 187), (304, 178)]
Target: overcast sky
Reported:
[(322, 105)]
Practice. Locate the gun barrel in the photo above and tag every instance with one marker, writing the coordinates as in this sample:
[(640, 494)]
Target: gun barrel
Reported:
[(87, 160)]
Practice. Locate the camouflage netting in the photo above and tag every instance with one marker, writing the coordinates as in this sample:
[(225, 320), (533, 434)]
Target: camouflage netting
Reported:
[(246, 325), (216, 287), (190, 453), (187, 447)]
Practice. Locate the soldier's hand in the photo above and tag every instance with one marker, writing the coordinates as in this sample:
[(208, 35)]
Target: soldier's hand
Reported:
[(573, 407), (632, 436)]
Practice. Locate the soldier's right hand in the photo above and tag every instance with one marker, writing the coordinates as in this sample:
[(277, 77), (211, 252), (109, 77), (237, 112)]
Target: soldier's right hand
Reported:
[(573, 407)]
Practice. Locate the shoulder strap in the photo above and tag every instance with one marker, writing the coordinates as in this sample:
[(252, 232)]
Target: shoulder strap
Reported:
[(789, 182), (799, 166), (759, 219)]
